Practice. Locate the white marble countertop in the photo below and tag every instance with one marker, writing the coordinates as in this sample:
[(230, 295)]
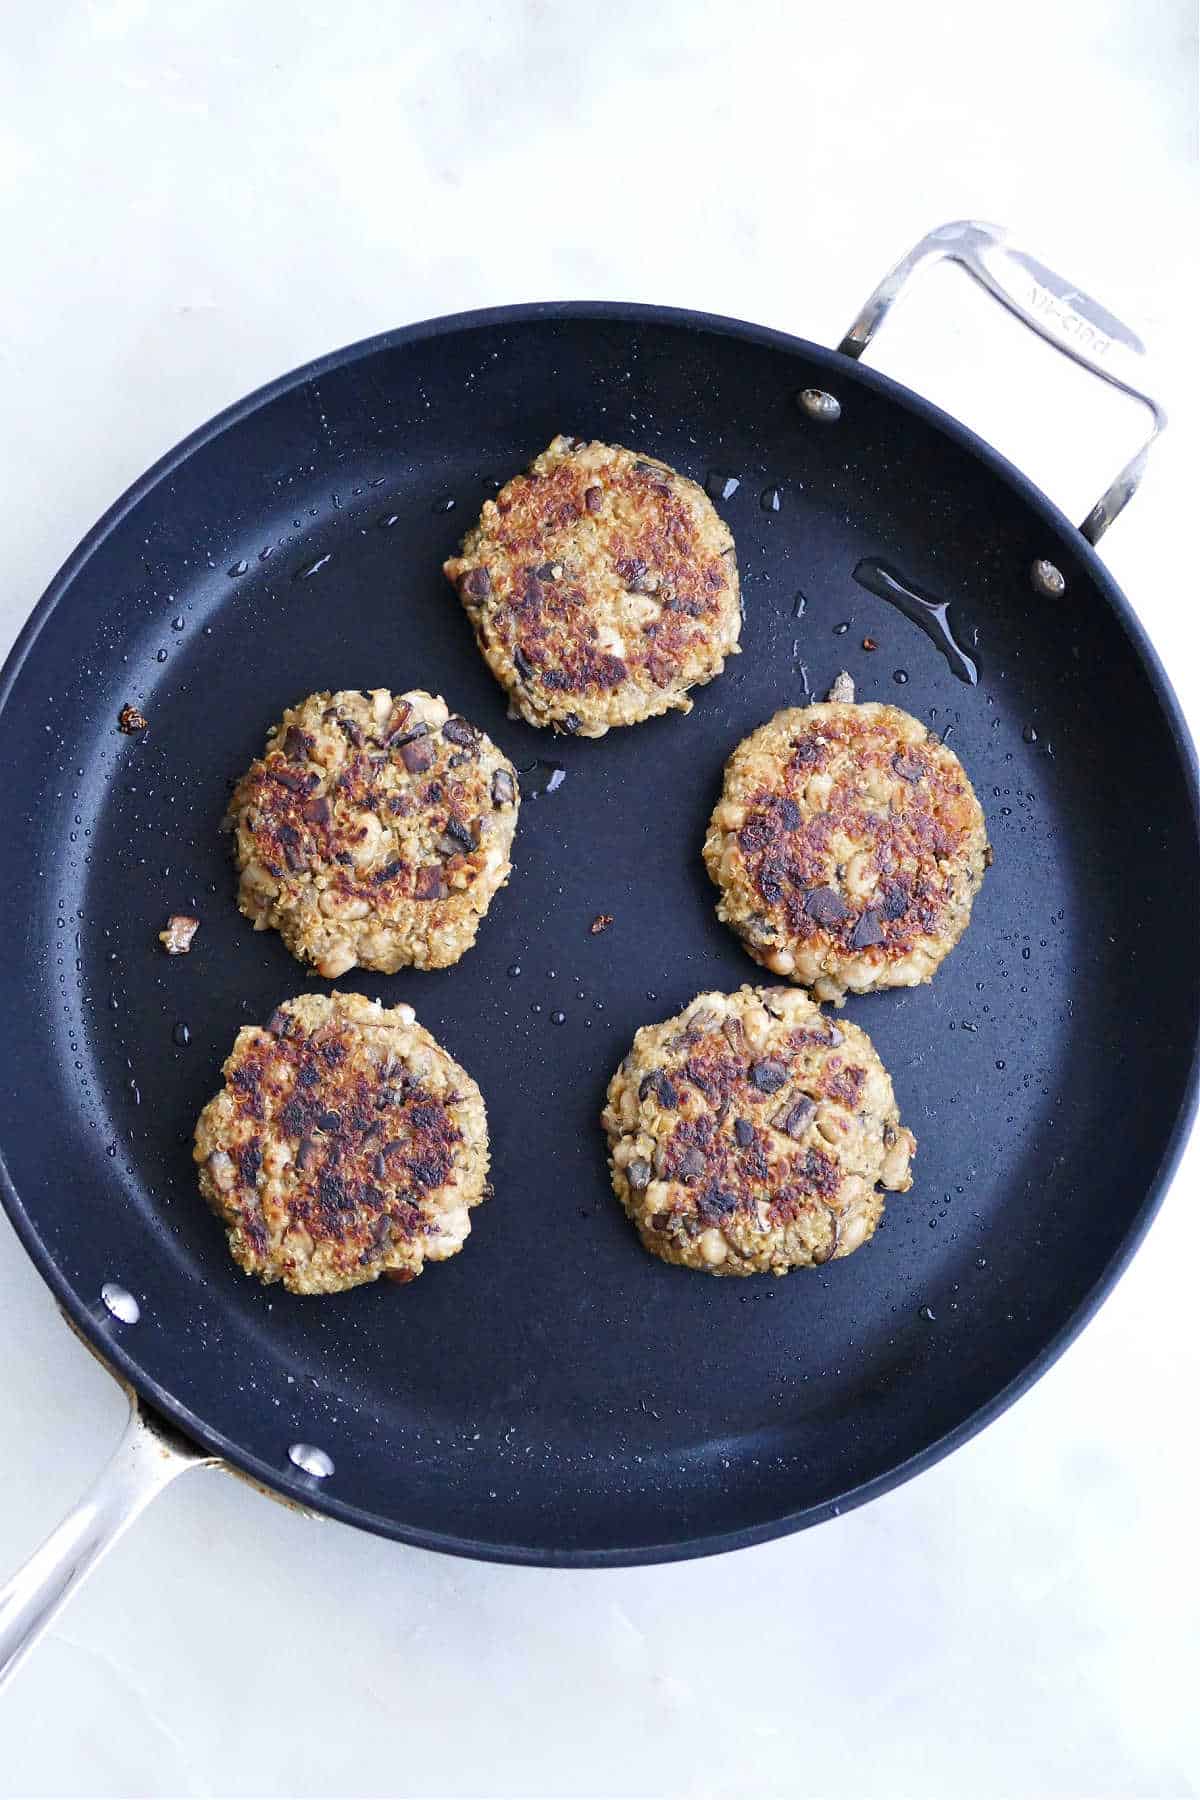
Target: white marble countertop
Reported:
[(196, 198)]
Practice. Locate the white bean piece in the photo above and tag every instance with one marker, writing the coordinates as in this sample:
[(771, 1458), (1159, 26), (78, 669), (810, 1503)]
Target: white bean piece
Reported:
[(713, 1247), (853, 1233), (368, 840), (377, 946), (610, 641), (220, 1167), (894, 1172), (831, 1125), (276, 1157), (336, 905), (336, 961), (861, 875), (255, 877)]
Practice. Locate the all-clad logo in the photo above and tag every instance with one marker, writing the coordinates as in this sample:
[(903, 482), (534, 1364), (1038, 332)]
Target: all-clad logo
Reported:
[(1068, 321)]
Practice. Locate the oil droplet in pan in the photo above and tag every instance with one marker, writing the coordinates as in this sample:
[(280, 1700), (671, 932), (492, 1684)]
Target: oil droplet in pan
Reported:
[(929, 615), (313, 568)]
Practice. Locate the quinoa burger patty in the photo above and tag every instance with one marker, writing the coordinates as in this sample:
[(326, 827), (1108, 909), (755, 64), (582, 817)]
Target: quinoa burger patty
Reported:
[(373, 830), (601, 586), (752, 1134), (848, 846), (345, 1144)]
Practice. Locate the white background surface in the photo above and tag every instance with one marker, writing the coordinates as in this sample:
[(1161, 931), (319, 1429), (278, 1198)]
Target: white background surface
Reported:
[(196, 197)]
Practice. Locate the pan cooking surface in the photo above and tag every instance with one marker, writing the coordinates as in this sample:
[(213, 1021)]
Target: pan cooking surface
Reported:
[(553, 1393)]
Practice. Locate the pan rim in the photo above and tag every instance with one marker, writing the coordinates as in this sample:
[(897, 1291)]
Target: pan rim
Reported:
[(307, 1492)]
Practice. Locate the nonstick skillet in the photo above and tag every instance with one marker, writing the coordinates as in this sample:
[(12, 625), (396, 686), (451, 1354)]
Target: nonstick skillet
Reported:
[(554, 1395)]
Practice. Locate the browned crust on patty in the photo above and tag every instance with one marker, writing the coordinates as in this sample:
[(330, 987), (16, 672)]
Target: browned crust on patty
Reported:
[(848, 845), (601, 585), (344, 1145)]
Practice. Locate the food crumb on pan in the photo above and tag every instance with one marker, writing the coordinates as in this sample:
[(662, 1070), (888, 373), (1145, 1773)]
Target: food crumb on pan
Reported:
[(600, 923), (176, 940), (131, 721), (870, 644)]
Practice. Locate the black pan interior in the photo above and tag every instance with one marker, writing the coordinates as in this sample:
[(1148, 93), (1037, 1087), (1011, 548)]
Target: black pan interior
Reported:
[(553, 1394)]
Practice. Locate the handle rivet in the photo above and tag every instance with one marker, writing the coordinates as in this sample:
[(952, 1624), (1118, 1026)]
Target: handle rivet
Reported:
[(819, 405), (120, 1303), (1047, 579), (313, 1461)]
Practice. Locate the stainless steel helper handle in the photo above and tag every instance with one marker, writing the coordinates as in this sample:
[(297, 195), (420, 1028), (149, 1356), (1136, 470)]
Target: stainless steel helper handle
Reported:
[(148, 1458), (1059, 312)]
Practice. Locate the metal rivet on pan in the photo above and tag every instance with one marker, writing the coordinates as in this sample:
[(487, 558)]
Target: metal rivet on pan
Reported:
[(819, 405), (311, 1460), (120, 1303), (1047, 579)]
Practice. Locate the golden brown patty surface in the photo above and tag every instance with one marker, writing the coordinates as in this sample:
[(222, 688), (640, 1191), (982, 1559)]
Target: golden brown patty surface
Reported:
[(346, 1144), (752, 1134), (374, 830), (601, 586), (848, 846)]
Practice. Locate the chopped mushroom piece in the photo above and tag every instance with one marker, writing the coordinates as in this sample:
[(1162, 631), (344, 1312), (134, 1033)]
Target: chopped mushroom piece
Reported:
[(176, 940)]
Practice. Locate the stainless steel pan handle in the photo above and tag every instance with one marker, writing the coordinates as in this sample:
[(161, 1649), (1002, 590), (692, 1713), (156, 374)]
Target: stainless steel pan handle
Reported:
[(1058, 311), (148, 1458)]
